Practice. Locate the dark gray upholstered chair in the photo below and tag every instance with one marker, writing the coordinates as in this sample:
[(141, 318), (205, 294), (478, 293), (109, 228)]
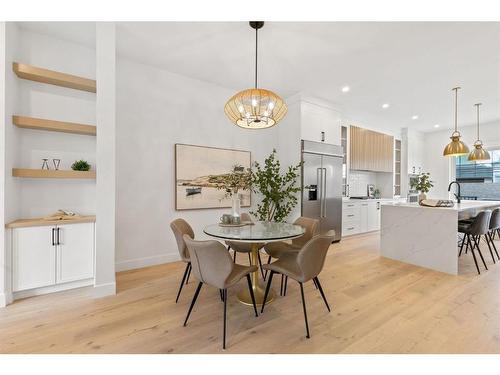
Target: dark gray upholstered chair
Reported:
[(494, 228), (302, 266), (243, 247), (473, 231), (180, 227), (212, 265)]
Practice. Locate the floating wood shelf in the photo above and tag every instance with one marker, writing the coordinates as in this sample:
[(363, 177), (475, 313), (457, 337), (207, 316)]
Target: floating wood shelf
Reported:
[(52, 77), (52, 125), (51, 173), (40, 222)]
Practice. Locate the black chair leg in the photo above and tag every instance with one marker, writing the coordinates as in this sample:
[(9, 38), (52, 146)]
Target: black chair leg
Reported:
[(234, 256), (489, 247), (268, 286), (281, 285), (462, 246), (315, 283), (193, 302), (268, 262), (221, 295), (250, 289), (493, 244), (249, 259), (480, 254), (286, 284), (188, 267), (224, 292), (260, 265), (318, 284), (304, 306), (469, 242), (189, 274)]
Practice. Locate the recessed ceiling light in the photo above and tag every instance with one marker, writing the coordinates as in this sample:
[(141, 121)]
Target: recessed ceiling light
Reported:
[(346, 89), (436, 126), (385, 105), (414, 117)]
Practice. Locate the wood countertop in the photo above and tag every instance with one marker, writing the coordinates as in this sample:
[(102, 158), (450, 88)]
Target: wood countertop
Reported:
[(38, 222)]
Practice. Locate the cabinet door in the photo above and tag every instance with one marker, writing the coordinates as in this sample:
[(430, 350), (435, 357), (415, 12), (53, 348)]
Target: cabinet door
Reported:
[(316, 119), (363, 226), (33, 258), (373, 216), (75, 252)]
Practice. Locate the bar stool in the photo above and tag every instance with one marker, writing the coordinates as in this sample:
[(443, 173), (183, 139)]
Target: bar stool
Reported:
[(494, 227), (473, 232)]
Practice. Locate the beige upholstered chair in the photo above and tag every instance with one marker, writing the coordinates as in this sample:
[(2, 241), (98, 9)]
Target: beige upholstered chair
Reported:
[(303, 266), (180, 227), (243, 247), (212, 265), (276, 249)]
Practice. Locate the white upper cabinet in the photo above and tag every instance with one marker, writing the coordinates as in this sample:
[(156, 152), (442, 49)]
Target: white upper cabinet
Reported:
[(414, 141), (317, 118), (33, 257)]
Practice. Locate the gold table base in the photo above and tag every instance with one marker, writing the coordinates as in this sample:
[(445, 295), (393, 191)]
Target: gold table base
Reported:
[(258, 289)]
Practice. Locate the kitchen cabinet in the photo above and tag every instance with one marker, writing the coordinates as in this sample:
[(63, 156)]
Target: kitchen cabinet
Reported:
[(370, 150), (360, 216), (319, 123), (52, 255)]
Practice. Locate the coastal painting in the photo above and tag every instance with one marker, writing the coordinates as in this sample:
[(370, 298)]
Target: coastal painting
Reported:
[(196, 169)]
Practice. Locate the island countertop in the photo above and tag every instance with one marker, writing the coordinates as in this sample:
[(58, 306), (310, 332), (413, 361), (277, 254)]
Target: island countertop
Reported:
[(462, 206)]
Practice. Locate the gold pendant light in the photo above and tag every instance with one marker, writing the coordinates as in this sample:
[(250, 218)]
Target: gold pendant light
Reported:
[(478, 153), (255, 108), (456, 147)]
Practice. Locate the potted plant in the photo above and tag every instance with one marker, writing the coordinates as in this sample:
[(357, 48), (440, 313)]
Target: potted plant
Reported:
[(278, 189), (80, 165), (422, 184), (232, 183)]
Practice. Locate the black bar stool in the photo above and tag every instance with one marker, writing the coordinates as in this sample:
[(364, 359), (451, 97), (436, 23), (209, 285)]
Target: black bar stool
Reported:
[(494, 228), (473, 231)]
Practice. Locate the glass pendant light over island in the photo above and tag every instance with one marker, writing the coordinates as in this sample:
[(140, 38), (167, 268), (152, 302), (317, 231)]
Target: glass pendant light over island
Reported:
[(255, 108), (478, 153), (456, 147)]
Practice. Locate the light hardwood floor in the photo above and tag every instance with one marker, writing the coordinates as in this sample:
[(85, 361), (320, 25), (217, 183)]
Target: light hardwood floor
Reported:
[(379, 306)]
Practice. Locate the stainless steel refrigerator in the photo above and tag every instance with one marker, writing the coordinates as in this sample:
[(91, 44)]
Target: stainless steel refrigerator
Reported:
[(322, 185)]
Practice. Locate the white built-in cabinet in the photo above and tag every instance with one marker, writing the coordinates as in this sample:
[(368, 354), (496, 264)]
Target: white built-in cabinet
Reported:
[(360, 216), (319, 122), (52, 255)]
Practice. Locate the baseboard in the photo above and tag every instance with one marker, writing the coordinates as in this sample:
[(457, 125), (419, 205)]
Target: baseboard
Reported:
[(53, 288), (104, 290), (132, 264), (5, 299)]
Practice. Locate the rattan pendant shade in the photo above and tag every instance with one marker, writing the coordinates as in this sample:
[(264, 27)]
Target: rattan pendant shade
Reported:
[(255, 108)]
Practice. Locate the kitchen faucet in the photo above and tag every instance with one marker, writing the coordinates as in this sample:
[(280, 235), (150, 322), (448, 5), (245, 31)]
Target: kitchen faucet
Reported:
[(458, 185)]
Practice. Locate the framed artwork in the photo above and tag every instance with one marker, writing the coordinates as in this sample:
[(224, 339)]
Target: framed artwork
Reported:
[(197, 166)]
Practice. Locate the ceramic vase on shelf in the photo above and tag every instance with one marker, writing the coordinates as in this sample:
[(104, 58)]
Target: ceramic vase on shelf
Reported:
[(236, 205), (421, 197)]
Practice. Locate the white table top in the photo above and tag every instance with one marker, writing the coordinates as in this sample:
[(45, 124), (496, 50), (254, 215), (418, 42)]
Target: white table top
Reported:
[(462, 206), (261, 231)]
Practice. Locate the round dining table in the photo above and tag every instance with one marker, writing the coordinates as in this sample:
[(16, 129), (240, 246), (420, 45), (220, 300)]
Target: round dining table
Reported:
[(256, 234)]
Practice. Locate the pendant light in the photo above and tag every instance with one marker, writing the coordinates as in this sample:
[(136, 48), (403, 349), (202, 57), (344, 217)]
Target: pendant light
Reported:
[(456, 147), (478, 153), (255, 108)]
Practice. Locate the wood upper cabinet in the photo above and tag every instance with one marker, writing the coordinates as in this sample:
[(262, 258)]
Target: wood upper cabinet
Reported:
[(370, 150)]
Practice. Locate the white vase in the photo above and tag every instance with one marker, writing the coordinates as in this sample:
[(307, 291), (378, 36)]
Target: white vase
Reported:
[(421, 197), (236, 205)]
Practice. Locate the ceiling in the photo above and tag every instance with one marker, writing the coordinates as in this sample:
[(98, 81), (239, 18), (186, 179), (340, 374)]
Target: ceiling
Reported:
[(412, 66)]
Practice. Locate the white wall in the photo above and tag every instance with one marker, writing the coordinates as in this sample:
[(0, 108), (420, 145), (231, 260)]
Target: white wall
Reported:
[(155, 110), (440, 167)]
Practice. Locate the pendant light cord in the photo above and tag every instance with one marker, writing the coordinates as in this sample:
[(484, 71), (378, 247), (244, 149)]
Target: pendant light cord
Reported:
[(456, 106), (477, 110), (256, 51)]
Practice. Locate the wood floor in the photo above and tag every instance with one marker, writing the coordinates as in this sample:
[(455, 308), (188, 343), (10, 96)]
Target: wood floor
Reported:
[(379, 306)]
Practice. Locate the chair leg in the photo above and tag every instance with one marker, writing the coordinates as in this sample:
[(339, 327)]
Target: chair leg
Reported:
[(493, 244), (489, 247), (318, 284), (260, 265), (473, 254), (286, 284), (462, 246), (281, 285), (221, 295), (480, 254), (188, 266), (224, 292), (193, 302), (234, 256), (252, 295), (305, 311), (268, 262), (249, 259), (315, 283), (268, 286), (189, 274)]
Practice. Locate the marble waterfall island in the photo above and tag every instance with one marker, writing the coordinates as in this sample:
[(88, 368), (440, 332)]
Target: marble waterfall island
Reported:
[(425, 236)]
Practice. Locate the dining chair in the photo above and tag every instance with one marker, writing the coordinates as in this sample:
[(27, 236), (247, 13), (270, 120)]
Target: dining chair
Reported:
[(180, 227), (212, 265), (244, 247), (303, 266), (494, 227), (473, 231), (276, 249)]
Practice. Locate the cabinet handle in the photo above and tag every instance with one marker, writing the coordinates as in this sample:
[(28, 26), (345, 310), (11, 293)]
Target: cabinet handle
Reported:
[(350, 205), (58, 229), (351, 228), (351, 215), (53, 240)]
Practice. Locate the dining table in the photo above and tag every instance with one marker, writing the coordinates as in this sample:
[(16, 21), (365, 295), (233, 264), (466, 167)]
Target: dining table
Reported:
[(256, 233)]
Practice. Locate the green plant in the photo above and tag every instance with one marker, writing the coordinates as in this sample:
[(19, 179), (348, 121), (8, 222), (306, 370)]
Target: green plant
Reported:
[(233, 182), (80, 165), (278, 190), (423, 183)]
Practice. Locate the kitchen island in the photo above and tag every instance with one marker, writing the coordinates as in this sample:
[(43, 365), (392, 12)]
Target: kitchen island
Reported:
[(425, 236)]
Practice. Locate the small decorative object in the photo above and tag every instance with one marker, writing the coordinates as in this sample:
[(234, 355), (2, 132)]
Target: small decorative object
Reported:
[(376, 193), (56, 163), (225, 219), (45, 164), (80, 165), (279, 190), (422, 184), (236, 220), (436, 203)]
